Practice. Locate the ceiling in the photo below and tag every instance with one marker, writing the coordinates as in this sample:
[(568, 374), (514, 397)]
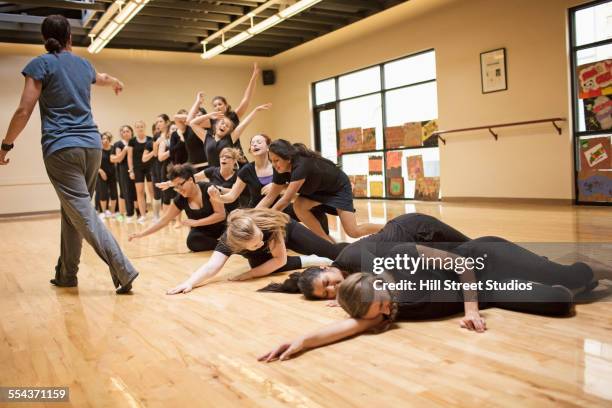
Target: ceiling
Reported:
[(180, 25)]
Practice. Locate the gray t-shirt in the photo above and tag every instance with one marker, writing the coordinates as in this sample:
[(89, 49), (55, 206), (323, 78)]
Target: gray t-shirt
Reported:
[(65, 109)]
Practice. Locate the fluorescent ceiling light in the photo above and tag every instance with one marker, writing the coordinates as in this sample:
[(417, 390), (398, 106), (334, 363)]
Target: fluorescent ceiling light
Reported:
[(126, 13), (213, 52), (237, 39), (297, 7), (264, 25)]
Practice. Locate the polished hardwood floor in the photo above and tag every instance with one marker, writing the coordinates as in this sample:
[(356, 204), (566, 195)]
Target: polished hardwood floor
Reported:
[(200, 349)]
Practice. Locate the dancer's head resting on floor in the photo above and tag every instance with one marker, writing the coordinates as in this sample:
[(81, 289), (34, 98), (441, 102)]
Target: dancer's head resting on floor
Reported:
[(283, 153), (260, 145), (246, 228), (229, 157), (316, 282), (182, 178), (55, 30), (126, 132)]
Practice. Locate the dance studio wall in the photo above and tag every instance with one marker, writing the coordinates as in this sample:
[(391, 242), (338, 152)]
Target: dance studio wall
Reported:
[(526, 162), (155, 83)]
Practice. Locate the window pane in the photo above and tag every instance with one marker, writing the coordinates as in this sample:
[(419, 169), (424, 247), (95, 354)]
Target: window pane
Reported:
[(362, 114), (410, 70), (588, 56), (366, 183), (327, 130), (405, 169), (594, 174), (359, 83), (325, 91), (594, 24), (412, 104)]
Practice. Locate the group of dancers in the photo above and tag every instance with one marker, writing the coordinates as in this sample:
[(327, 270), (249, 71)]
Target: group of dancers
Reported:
[(259, 209)]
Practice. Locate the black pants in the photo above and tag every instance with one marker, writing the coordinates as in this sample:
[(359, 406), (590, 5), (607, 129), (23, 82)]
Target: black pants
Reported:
[(317, 211), (199, 239), (127, 190), (168, 194), (106, 189), (300, 239), (156, 177), (507, 262)]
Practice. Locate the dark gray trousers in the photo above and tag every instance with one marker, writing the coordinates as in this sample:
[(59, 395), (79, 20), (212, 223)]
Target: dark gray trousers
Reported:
[(73, 173)]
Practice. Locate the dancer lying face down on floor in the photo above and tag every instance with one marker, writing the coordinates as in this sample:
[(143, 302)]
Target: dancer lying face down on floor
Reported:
[(263, 237), (510, 276)]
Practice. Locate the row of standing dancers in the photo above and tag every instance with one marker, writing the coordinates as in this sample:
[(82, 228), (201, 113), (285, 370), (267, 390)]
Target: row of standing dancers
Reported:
[(290, 190)]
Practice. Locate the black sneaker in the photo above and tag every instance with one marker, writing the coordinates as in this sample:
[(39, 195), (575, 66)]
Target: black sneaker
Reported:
[(71, 283), (127, 288)]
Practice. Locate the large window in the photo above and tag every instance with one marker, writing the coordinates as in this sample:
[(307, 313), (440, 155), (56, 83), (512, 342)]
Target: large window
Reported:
[(377, 123), (591, 68)]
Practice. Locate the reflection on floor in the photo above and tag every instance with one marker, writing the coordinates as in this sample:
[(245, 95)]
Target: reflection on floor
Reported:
[(199, 349)]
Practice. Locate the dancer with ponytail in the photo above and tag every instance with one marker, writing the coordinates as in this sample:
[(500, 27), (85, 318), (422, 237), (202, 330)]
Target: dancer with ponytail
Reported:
[(256, 178), (319, 182), (61, 83), (263, 236), (525, 282), (106, 186), (140, 152), (206, 215), (187, 140)]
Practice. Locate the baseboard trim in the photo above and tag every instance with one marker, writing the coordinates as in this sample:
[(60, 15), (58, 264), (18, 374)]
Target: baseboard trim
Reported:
[(509, 200), (34, 214)]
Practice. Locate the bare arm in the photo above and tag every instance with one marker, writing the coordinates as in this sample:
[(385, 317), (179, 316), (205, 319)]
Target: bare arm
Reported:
[(204, 272), (29, 97), (162, 152), (148, 155), (278, 260), (107, 80), (269, 198), (119, 155), (168, 215), (195, 107), (130, 155), (201, 123), (249, 91), (289, 195), (329, 334), (230, 196), (246, 121), (472, 320)]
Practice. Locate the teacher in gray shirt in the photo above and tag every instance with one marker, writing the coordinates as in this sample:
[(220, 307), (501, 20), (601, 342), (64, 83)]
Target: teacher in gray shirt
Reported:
[(61, 83)]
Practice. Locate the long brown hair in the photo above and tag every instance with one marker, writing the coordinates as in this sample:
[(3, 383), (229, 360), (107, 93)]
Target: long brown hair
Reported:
[(356, 293), (241, 225)]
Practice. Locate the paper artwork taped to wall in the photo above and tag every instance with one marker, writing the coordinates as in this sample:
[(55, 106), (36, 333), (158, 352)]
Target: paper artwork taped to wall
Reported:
[(395, 186), (413, 134), (427, 189), (598, 113), (350, 140), (369, 139), (375, 165), (394, 164), (394, 136), (415, 167), (376, 188), (429, 140), (595, 79), (595, 153), (361, 186)]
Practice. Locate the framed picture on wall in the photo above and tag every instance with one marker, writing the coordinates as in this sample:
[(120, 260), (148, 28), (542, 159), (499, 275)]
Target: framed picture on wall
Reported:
[(493, 73)]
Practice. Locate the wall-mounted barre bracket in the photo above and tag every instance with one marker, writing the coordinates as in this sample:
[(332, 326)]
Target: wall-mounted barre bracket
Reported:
[(493, 133), (559, 130)]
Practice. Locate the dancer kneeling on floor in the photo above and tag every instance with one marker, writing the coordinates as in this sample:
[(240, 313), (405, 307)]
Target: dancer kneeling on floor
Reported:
[(206, 215), (263, 237)]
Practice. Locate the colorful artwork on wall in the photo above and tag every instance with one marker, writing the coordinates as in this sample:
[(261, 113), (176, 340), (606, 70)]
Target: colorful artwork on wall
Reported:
[(415, 167), (395, 187), (350, 140), (429, 127), (595, 153), (369, 139), (394, 136), (394, 164), (595, 79), (376, 188), (427, 189), (361, 186), (375, 165), (413, 134), (598, 113)]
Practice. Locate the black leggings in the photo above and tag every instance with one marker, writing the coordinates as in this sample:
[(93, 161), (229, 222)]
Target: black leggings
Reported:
[(168, 194), (318, 212), (303, 241), (506, 262), (156, 178), (127, 189), (199, 239), (106, 188)]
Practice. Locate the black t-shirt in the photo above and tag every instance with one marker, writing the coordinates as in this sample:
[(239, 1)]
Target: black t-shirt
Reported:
[(194, 147), (322, 176), (264, 250), (178, 151), (139, 149), (215, 177), (248, 175), (105, 164), (199, 213), (213, 148), (119, 145)]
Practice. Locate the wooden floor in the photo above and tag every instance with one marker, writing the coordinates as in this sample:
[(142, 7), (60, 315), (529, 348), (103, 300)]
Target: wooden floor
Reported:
[(200, 349)]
